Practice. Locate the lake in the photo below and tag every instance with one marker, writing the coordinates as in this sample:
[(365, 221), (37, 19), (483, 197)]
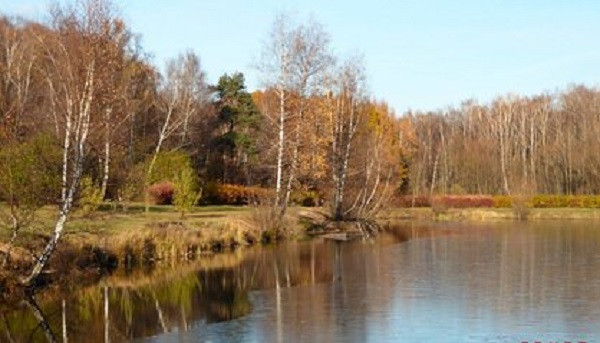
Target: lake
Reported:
[(415, 282)]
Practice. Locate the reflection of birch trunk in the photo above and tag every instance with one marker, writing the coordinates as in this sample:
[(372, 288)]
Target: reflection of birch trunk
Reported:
[(64, 321), (161, 318), (42, 322), (106, 313), (9, 336), (184, 319), (337, 268), (312, 263), (278, 303)]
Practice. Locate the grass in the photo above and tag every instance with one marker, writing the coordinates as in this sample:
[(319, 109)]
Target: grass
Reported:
[(205, 228), (425, 213)]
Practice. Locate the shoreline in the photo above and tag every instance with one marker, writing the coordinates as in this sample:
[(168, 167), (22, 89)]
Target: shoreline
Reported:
[(484, 214), (98, 247)]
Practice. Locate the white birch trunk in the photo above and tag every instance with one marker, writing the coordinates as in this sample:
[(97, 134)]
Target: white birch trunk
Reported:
[(78, 133), (107, 141)]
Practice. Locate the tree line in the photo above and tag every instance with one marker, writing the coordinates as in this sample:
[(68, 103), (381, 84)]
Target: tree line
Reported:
[(514, 145)]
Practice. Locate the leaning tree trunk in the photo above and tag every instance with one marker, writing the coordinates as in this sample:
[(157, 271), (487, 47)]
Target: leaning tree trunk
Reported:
[(77, 125)]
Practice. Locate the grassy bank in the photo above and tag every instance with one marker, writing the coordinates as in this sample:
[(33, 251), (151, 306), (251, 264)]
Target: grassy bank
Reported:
[(162, 232), (453, 214), (95, 245), (111, 239)]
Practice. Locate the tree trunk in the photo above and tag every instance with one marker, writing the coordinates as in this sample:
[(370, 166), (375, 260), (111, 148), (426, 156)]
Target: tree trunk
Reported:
[(107, 118), (13, 238), (79, 133), (280, 148)]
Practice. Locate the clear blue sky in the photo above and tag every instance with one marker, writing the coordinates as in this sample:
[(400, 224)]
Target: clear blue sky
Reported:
[(420, 54)]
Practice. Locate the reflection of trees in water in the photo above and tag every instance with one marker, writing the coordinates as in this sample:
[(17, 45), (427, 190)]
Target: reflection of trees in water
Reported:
[(119, 310), (503, 261), (36, 327), (146, 304)]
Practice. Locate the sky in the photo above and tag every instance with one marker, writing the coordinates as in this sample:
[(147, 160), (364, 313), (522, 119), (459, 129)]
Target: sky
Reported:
[(419, 54)]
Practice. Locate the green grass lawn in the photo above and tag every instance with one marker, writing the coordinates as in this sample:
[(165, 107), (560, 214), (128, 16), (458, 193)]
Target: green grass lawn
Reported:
[(110, 220)]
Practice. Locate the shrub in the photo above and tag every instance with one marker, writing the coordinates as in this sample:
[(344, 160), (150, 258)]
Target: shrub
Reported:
[(305, 198), (448, 201), (521, 206), (573, 201), (464, 201), (411, 201), (227, 194), (439, 206), (502, 201), (186, 191), (499, 201), (90, 196), (162, 193), (133, 186), (168, 165)]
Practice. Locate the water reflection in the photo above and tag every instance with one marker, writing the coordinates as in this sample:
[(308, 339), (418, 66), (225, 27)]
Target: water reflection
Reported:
[(502, 282)]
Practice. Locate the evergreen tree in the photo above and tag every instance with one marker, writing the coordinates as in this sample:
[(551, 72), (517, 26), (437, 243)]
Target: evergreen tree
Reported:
[(239, 121)]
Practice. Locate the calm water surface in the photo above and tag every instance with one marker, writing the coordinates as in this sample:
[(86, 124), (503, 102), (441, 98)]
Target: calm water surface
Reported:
[(442, 282)]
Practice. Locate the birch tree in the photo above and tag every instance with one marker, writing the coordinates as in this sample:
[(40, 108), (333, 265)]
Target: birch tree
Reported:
[(180, 98), (71, 73), (294, 63), (347, 98), (17, 78)]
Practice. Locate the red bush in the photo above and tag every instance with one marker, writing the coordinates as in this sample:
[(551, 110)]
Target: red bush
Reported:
[(162, 193), (232, 194), (466, 201), (410, 201), (448, 201)]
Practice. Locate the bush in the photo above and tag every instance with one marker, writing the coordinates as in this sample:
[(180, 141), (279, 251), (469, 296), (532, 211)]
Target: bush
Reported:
[(439, 206), (499, 201), (409, 201), (305, 198), (90, 196), (162, 193), (446, 201), (502, 201), (133, 187), (187, 193), (521, 206), (168, 165), (215, 194), (573, 201), (465, 201)]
